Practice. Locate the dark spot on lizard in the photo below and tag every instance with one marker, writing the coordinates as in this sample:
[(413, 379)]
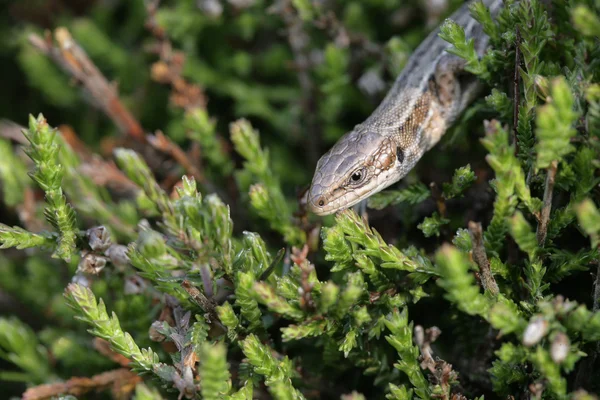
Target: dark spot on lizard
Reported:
[(399, 154)]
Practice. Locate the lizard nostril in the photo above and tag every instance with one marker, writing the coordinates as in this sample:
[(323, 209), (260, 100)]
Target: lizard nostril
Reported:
[(321, 203)]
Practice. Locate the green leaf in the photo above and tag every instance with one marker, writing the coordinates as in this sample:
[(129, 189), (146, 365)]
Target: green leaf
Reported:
[(349, 342), (48, 174), (555, 125), (506, 317), (245, 299), (22, 239), (431, 225), (266, 196), (461, 180), (482, 15), (267, 296), (586, 20), (215, 381), (454, 34), (401, 339), (20, 346), (412, 194), (93, 313), (201, 128), (12, 174), (310, 329), (277, 373), (459, 283), (462, 240), (521, 231), (549, 370), (589, 220)]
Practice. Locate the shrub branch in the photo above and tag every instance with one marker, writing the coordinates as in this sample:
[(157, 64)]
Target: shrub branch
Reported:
[(480, 258)]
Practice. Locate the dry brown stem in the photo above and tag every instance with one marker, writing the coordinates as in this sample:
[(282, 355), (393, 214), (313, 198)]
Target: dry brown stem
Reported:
[(121, 382), (67, 53), (480, 258)]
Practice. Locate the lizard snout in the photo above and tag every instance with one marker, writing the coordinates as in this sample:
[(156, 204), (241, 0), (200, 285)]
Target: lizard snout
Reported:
[(316, 199)]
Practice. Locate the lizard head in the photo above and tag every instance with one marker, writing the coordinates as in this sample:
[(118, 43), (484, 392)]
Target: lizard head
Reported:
[(360, 164)]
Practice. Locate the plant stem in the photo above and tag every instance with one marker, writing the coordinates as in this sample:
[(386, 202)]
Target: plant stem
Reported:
[(547, 207), (480, 258)]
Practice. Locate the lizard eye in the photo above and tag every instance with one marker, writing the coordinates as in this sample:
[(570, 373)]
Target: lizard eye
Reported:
[(358, 176), (399, 154)]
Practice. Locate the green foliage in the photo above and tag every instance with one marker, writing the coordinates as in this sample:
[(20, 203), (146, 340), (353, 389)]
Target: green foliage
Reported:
[(108, 328), (20, 346), (510, 185), (401, 339), (586, 20), (412, 194), (461, 180), (203, 130), (459, 283), (143, 392), (265, 196), (551, 371), (464, 48), (200, 244), (482, 14), (589, 219), (48, 174), (13, 175), (214, 371), (277, 374), (357, 231), (508, 369), (554, 125), (21, 239), (431, 225), (266, 295), (523, 235)]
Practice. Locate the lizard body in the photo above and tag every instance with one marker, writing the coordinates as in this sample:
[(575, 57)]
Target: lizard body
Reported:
[(426, 98)]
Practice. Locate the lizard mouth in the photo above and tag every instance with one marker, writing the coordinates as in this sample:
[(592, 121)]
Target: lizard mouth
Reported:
[(317, 201), (321, 204)]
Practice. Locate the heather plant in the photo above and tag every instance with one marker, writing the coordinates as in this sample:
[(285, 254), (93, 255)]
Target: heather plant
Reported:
[(182, 263)]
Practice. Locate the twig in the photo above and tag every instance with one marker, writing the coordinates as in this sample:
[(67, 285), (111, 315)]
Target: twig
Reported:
[(436, 193), (542, 230), (424, 339), (12, 131), (480, 258), (101, 172), (122, 381), (165, 145), (184, 94), (299, 258), (27, 212), (536, 389), (73, 59), (103, 347), (169, 69), (201, 300), (441, 372), (107, 174)]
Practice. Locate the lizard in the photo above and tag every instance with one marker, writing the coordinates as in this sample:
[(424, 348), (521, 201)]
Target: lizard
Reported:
[(429, 94)]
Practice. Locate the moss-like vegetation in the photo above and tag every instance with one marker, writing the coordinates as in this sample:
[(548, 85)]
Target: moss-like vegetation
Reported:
[(159, 247)]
